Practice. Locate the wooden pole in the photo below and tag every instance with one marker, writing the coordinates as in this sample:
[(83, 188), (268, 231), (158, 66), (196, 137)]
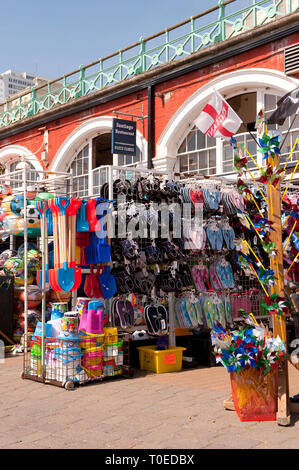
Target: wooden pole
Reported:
[(279, 325)]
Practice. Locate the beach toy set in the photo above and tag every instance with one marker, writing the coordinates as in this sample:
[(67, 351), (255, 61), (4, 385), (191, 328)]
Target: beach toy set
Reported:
[(91, 336), (63, 361), (113, 353)]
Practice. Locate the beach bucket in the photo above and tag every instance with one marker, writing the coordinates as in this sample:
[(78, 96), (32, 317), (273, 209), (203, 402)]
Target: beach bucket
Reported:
[(82, 305), (69, 324), (58, 310)]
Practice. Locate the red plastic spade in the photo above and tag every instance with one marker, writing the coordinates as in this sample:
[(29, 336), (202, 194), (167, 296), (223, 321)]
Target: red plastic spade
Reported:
[(65, 275), (42, 207), (71, 213), (52, 272)]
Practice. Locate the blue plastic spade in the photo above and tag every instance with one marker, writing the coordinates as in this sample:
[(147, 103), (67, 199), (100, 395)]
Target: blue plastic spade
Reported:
[(42, 208), (82, 224)]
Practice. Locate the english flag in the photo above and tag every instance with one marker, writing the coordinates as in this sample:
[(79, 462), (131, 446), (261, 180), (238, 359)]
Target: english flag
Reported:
[(218, 119)]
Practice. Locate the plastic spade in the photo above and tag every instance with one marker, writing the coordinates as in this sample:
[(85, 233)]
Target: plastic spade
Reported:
[(82, 224), (42, 207), (104, 249), (52, 272), (65, 275), (71, 212)]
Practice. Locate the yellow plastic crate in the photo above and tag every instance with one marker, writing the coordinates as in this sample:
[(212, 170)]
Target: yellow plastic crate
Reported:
[(111, 335), (168, 360)]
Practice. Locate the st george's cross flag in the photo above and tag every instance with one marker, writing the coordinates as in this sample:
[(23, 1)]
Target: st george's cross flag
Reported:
[(218, 119)]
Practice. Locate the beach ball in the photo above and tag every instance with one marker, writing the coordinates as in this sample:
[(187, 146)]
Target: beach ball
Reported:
[(33, 216), (20, 281), (59, 296), (3, 214), (34, 296), (34, 260), (33, 317), (17, 204), (5, 255), (13, 224), (42, 196), (13, 266), (30, 246), (5, 191), (6, 204)]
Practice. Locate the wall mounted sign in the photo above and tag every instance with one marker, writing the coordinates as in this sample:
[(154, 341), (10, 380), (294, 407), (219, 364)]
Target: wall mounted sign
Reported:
[(124, 137)]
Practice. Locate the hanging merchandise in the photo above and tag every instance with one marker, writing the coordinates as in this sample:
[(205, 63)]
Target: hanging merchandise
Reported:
[(161, 273)]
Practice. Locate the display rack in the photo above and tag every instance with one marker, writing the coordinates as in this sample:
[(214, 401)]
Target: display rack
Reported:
[(61, 184)]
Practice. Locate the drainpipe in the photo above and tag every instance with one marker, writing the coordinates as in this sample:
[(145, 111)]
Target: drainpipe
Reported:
[(150, 125)]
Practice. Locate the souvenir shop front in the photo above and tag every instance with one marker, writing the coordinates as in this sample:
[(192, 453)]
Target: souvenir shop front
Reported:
[(134, 277)]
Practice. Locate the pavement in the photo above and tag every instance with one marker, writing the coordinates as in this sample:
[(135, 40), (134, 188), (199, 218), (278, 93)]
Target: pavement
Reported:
[(179, 410)]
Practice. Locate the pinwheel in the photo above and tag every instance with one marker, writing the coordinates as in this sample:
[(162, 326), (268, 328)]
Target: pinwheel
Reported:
[(269, 146), (276, 305), (270, 175), (248, 347), (243, 188), (266, 276)]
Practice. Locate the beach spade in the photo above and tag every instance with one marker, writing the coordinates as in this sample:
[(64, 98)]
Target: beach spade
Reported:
[(53, 272), (42, 207), (65, 275), (71, 213)]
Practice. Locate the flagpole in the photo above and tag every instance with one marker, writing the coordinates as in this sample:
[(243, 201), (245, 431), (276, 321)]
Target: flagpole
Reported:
[(252, 135), (295, 115)]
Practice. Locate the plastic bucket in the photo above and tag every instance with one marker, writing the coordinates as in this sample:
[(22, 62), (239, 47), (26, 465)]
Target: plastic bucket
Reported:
[(255, 394)]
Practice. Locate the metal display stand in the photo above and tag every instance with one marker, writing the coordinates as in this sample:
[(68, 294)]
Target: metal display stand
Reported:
[(42, 180)]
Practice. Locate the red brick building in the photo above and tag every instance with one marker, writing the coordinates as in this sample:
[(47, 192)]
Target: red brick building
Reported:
[(60, 126)]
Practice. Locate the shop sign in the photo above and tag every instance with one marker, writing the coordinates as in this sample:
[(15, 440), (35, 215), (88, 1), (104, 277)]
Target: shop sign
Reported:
[(124, 137)]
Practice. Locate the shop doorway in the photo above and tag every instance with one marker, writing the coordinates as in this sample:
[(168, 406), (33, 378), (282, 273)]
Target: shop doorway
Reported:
[(101, 150)]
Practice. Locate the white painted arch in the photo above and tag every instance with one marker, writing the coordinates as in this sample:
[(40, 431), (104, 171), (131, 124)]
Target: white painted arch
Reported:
[(11, 153), (89, 129), (228, 85)]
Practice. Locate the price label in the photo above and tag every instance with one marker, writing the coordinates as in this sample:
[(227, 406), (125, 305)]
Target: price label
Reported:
[(170, 359)]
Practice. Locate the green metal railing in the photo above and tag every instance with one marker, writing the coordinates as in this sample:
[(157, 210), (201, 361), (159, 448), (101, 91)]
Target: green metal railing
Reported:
[(205, 29)]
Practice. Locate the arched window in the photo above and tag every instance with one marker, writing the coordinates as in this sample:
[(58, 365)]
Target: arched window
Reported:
[(80, 166), (88, 177), (31, 175)]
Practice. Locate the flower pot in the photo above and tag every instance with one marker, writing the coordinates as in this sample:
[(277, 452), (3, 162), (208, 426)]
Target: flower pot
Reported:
[(255, 394)]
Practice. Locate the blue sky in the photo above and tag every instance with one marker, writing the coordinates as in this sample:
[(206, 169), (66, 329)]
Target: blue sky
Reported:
[(54, 37)]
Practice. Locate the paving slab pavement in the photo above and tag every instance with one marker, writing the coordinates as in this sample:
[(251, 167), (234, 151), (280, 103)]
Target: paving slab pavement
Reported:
[(181, 410)]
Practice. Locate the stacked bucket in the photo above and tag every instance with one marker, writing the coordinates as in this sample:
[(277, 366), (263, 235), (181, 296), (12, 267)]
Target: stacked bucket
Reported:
[(113, 353), (92, 338), (63, 354), (63, 360)]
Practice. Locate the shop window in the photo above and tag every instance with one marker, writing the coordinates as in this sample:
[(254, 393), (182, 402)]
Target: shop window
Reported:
[(79, 166), (31, 175), (197, 153)]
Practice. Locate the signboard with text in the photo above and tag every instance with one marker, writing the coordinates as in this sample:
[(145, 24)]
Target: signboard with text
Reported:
[(124, 137)]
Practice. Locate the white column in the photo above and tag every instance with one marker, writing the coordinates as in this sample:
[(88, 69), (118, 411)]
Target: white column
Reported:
[(90, 172), (259, 106), (219, 156)]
